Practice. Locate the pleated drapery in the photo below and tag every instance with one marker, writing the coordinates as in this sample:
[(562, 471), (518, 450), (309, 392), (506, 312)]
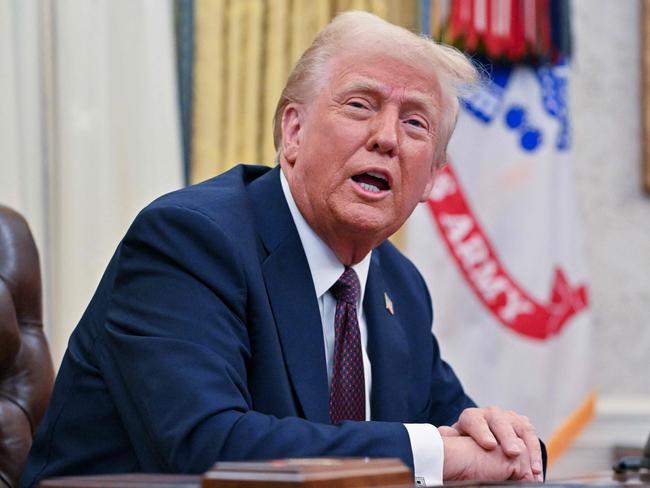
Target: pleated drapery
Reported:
[(89, 133)]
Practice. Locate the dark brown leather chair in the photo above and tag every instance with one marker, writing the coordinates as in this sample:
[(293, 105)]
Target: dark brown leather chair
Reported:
[(26, 373)]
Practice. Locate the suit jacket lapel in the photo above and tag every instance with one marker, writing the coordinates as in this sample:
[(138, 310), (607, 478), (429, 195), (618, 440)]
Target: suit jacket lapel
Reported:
[(387, 350), (293, 299)]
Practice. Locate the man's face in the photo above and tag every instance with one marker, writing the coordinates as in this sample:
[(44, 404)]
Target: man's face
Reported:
[(360, 155)]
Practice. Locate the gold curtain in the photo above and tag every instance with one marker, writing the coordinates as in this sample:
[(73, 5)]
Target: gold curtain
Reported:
[(244, 50)]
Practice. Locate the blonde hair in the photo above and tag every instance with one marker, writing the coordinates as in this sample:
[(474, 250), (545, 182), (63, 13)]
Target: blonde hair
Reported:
[(356, 29)]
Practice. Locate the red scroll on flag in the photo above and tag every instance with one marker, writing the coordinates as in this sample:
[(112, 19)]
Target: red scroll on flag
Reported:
[(500, 293)]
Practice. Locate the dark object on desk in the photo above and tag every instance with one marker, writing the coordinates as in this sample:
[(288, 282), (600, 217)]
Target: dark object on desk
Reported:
[(309, 473), (26, 373), (645, 460), (632, 466)]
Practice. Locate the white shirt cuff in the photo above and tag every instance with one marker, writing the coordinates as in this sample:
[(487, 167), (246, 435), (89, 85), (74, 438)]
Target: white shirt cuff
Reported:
[(428, 454)]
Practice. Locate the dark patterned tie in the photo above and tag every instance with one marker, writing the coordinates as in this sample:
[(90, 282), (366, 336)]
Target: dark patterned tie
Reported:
[(348, 392)]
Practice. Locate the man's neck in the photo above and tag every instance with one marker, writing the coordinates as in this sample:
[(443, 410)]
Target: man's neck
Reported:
[(324, 265), (348, 250)]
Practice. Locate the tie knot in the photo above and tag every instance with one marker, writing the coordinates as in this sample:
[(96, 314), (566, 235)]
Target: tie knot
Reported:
[(347, 288)]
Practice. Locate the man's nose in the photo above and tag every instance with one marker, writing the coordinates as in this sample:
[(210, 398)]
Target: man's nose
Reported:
[(384, 133)]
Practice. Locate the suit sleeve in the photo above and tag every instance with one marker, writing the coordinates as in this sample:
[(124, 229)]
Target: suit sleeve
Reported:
[(175, 350), (447, 396), (448, 399)]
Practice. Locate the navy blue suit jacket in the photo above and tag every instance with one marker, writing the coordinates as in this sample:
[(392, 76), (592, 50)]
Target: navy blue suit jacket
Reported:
[(203, 342)]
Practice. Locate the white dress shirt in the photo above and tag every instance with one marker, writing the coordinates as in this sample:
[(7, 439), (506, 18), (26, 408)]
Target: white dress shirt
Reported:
[(326, 269)]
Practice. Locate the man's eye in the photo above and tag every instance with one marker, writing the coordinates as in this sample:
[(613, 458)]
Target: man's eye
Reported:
[(416, 123), (356, 104)]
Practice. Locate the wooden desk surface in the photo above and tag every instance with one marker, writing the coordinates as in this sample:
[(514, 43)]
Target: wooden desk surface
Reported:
[(134, 480), (602, 479)]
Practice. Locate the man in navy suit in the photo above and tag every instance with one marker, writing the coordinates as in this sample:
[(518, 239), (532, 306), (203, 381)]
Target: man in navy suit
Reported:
[(217, 332)]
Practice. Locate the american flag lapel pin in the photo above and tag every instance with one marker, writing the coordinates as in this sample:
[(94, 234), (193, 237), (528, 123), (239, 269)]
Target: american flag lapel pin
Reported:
[(389, 304)]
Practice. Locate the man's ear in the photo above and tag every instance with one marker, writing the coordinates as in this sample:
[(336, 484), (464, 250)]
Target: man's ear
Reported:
[(292, 119), (437, 167)]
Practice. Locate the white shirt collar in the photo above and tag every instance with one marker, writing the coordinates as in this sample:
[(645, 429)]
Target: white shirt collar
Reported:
[(325, 267)]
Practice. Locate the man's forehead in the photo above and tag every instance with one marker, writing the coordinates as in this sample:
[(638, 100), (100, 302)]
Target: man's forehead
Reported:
[(384, 75), (360, 82), (373, 63)]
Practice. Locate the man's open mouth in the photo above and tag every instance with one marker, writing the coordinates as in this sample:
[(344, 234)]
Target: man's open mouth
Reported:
[(372, 181)]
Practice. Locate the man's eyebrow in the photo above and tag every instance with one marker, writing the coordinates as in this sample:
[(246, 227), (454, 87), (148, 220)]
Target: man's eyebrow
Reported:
[(362, 84), (430, 104)]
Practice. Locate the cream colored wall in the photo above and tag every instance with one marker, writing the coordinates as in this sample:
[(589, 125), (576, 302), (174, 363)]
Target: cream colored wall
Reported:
[(606, 107)]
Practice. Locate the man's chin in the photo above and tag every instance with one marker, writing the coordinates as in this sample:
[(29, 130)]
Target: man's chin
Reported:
[(371, 226)]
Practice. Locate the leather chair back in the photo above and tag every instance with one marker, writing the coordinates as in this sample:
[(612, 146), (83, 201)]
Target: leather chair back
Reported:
[(26, 373)]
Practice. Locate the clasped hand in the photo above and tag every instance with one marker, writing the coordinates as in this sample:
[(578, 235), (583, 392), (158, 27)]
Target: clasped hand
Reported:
[(491, 444)]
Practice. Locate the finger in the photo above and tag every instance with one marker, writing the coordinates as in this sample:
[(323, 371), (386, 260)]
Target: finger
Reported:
[(473, 422), (522, 470), (502, 424), (528, 434), (523, 474), (535, 452), (526, 474), (446, 431)]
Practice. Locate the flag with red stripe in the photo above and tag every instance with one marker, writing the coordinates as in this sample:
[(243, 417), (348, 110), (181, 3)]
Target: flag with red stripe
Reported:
[(498, 243)]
